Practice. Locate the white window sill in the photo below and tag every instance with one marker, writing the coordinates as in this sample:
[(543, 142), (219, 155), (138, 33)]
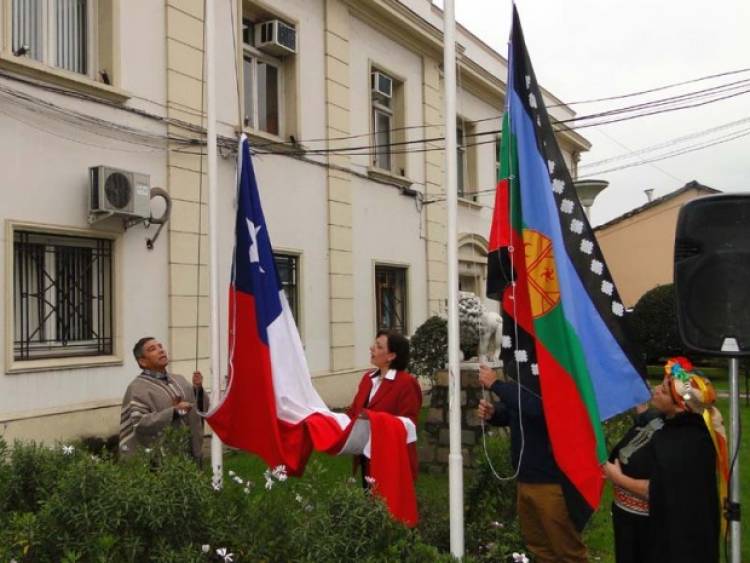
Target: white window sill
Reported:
[(388, 177), (468, 202), (271, 142), (59, 77), (51, 364)]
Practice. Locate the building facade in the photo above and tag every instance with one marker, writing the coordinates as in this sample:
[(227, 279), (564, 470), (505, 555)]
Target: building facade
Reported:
[(343, 104), (639, 245)]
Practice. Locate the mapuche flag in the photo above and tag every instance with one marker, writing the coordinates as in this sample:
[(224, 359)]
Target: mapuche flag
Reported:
[(270, 406), (564, 330)]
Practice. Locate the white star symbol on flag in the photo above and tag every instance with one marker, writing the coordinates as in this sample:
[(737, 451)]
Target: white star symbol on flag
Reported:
[(254, 256)]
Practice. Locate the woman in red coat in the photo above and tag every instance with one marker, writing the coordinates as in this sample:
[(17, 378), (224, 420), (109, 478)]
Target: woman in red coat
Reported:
[(388, 388)]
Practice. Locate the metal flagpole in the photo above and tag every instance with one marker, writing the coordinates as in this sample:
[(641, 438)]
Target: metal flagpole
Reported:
[(455, 459), (734, 484), (213, 237)]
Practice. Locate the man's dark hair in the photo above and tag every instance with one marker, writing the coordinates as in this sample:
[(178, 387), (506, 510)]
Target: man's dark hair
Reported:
[(138, 348), (399, 345)]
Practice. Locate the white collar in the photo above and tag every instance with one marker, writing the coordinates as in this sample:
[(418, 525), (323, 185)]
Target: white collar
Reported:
[(390, 374)]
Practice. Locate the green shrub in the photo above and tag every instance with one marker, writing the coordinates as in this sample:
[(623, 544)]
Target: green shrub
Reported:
[(492, 532), (429, 347), (160, 506), (654, 324)]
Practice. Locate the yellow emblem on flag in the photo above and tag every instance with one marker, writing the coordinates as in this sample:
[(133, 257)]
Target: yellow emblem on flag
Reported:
[(544, 291)]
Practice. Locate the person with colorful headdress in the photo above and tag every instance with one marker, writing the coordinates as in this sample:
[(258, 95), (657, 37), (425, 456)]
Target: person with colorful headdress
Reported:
[(682, 494)]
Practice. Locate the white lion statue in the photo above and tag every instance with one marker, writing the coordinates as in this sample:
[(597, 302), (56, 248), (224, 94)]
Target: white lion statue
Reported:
[(490, 336)]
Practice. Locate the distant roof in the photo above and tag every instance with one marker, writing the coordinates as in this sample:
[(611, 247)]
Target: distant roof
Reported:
[(692, 185)]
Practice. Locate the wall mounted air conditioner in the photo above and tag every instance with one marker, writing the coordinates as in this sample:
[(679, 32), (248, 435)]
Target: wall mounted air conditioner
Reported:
[(276, 37), (382, 84), (120, 193)]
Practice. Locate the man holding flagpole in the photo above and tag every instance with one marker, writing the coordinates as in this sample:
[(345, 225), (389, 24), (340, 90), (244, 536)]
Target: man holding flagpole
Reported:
[(546, 526)]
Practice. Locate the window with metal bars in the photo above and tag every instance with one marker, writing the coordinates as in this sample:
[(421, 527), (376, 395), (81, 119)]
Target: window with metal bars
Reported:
[(287, 266), (62, 296), (390, 298), (55, 32)]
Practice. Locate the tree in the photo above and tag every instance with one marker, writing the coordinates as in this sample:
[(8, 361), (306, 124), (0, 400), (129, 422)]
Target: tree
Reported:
[(654, 324)]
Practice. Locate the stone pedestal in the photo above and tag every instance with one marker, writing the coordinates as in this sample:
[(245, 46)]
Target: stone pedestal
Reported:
[(434, 443)]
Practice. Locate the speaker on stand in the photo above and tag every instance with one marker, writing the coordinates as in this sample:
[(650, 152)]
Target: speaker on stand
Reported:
[(712, 290)]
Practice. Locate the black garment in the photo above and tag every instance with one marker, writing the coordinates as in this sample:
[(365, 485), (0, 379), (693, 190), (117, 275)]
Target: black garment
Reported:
[(538, 463), (632, 532), (632, 537), (683, 498)]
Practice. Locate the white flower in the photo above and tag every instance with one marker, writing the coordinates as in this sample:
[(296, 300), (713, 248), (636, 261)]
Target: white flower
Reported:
[(269, 483), (222, 552), (280, 472), (147, 450), (238, 480), (232, 473), (351, 480), (520, 557), (68, 450), (370, 481), (298, 498), (205, 548), (246, 490)]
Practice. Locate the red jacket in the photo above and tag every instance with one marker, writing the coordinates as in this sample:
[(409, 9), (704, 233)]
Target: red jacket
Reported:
[(401, 396)]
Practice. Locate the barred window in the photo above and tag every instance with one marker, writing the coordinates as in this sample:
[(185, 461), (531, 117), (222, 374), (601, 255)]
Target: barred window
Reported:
[(390, 298), (287, 267), (62, 296)]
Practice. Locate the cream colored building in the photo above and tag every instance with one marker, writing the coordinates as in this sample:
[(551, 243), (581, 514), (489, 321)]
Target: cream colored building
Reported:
[(342, 100), (639, 245)]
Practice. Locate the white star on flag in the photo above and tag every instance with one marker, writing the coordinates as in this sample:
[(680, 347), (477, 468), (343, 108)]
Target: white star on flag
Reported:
[(607, 287), (507, 342), (558, 186), (597, 267), (522, 356), (587, 246), (534, 369), (617, 308), (253, 230), (532, 101), (551, 166), (566, 206), (576, 225)]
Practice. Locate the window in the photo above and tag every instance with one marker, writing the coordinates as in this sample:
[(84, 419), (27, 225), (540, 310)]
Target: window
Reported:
[(62, 296), (387, 122), (262, 93), (460, 160), (287, 266), (269, 73), (465, 158), (390, 298), (55, 32)]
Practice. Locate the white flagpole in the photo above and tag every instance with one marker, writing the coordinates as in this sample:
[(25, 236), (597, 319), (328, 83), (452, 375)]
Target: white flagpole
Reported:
[(455, 459), (213, 235)]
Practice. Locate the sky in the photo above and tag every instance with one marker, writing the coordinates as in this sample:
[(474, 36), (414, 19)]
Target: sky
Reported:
[(586, 49)]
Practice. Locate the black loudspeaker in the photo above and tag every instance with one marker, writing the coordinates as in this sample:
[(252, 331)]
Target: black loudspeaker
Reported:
[(712, 273)]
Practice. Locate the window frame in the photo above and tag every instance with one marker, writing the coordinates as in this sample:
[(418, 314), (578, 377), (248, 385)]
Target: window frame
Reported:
[(102, 54), (49, 36), (297, 258), (13, 365), (256, 56), (404, 270)]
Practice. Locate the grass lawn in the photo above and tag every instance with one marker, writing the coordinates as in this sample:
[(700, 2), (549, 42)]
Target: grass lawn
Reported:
[(598, 535)]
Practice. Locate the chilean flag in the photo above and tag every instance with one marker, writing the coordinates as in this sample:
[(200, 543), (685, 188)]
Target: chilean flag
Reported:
[(270, 407)]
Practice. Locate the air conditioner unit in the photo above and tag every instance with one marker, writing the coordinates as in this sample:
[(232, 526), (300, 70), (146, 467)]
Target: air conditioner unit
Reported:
[(114, 192), (276, 37), (382, 84)]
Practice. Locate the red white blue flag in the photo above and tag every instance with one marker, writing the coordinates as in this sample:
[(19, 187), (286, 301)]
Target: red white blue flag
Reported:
[(270, 407)]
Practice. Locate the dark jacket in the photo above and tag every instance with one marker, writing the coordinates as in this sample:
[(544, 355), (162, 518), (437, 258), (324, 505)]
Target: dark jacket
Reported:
[(537, 463)]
